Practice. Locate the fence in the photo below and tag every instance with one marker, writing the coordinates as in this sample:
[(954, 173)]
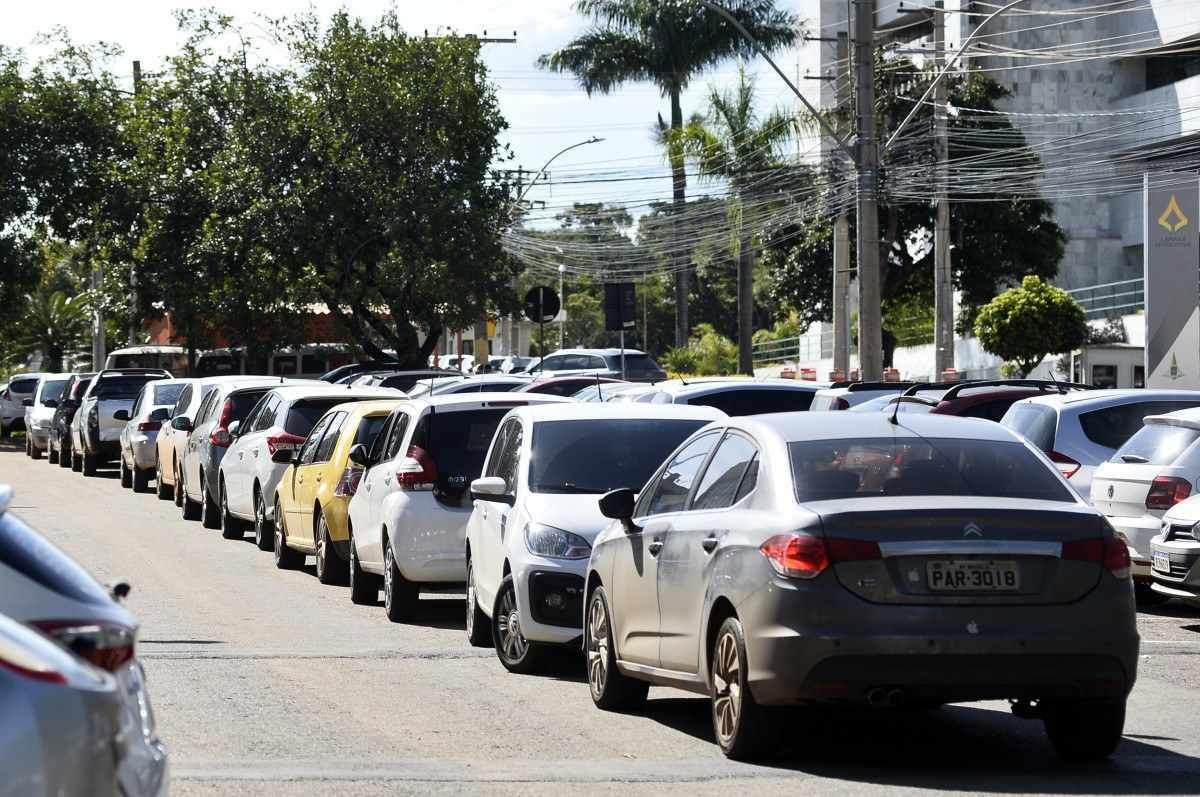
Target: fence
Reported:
[(809, 347)]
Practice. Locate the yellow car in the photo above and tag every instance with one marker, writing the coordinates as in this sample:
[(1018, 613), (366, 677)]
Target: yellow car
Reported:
[(311, 500)]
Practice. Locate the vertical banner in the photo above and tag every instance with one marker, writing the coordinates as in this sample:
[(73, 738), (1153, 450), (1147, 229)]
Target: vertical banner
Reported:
[(1171, 206)]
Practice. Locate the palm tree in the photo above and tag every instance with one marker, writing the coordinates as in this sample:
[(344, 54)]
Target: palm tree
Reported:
[(53, 325), (732, 144), (667, 42)]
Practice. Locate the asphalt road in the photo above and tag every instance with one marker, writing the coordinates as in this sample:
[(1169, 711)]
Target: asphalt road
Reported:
[(266, 682)]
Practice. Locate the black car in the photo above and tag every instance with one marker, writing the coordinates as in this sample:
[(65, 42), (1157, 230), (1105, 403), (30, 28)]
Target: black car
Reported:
[(60, 427)]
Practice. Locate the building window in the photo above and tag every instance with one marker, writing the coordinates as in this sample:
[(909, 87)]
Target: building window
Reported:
[(1139, 376), (1163, 70), (1104, 375)]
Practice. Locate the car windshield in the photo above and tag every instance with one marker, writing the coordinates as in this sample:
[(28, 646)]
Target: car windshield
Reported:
[(243, 401), (122, 387), (52, 389), (1156, 444), (304, 414), (1034, 422), (635, 364), (595, 456), (167, 395), (871, 467)]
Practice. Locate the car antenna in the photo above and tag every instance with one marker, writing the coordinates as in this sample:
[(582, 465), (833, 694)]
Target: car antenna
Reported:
[(1060, 388), (894, 419), (599, 392)]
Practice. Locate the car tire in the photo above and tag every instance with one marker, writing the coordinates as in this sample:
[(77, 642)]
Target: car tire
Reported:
[(177, 490), (479, 632), (364, 586), (742, 727), (400, 596), (1147, 598), (51, 454), (516, 653), (231, 528), (126, 476), (209, 516), (88, 465), (1084, 730), (141, 480), (285, 557), (188, 509), (34, 451), (264, 530), (331, 569), (164, 491), (611, 689), (76, 462)]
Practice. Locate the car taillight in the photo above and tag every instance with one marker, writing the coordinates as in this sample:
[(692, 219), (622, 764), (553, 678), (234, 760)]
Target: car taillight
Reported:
[(839, 403), (796, 555), (844, 550), (220, 438), (1112, 552), (104, 645), (1167, 491), (149, 426), (1066, 466), (416, 471), (283, 440), (348, 484)]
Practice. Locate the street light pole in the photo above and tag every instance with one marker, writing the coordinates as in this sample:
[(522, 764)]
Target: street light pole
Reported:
[(562, 323)]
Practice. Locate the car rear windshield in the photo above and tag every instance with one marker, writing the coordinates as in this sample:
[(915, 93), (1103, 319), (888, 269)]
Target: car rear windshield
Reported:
[(122, 387), (635, 364), (1034, 422), (304, 414), (596, 456), (457, 442), (31, 555), (1111, 426), (80, 387), (756, 401), (823, 401), (52, 389), (27, 385), (1156, 444), (167, 394), (869, 467), (242, 402)]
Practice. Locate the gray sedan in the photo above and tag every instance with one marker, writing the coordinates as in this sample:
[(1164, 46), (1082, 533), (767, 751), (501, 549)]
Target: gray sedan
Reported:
[(808, 558)]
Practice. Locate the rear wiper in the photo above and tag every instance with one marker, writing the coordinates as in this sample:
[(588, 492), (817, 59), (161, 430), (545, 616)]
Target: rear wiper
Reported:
[(1136, 459), (566, 487)]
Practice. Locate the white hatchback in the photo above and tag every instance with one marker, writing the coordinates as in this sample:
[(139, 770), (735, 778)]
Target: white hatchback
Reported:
[(408, 516), (536, 513)]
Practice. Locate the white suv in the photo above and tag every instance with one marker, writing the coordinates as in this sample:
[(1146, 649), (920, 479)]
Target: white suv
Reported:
[(408, 517), (1078, 431), (537, 512), (12, 402)]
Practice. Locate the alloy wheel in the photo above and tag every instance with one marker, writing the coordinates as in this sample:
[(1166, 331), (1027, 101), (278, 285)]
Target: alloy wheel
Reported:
[(727, 689), (260, 522), (322, 549), (470, 600), (508, 621), (388, 586), (597, 646)]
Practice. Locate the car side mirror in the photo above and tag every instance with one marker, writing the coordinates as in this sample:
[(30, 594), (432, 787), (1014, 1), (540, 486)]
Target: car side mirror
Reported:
[(27, 402), (618, 505), (121, 415), (160, 414), (234, 428), (358, 455), (492, 488), (52, 403), (181, 423), (283, 456)]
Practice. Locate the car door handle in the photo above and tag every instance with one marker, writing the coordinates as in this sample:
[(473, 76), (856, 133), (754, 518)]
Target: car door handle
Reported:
[(255, 452), (709, 544), (318, 477), (300, 479), (654, 547)]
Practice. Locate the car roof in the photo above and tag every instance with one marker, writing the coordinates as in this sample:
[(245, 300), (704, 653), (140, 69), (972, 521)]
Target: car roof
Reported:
[(511, 399), (163, 349), (367, 407), (294, 392), (800, 426), (603, 352), (585, 411), (1098, 398), (678, 388)]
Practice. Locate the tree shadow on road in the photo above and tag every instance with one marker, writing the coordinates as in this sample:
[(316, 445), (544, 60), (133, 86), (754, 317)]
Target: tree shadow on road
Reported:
[(952, 748)]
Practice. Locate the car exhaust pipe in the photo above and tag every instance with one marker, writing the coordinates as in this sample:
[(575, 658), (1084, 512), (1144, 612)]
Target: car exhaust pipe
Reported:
[(895, 697), (877, 697)]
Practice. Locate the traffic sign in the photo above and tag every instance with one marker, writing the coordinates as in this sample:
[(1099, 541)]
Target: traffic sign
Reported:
[(541, 304)]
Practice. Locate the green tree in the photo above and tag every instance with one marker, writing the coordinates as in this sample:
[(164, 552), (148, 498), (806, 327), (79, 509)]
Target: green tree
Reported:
[(735, 145), (585, 321), (668, 43), (53, 325), (1024, 324)]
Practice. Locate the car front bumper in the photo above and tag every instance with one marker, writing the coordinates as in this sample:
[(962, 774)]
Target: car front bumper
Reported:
[(1137, 533), (1183, 578), (848, 649), (39, 438), (538, 581)]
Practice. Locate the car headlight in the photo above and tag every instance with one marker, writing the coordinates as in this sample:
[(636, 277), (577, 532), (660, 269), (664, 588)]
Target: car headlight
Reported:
[(555, 543)]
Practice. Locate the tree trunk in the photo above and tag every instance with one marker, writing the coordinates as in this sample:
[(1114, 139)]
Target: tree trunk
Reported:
[(679, 258), (745, 302)]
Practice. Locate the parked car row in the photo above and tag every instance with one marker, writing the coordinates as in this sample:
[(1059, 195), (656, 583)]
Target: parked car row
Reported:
[(716, 535)]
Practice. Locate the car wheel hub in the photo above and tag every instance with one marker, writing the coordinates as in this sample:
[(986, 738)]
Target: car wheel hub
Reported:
[(597, 649), (727, 700)]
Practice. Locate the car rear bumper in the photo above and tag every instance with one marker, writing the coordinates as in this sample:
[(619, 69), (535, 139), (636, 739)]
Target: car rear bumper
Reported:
[(805, 646), (145, 450), (104, 450), (39, 438), (429, 539)]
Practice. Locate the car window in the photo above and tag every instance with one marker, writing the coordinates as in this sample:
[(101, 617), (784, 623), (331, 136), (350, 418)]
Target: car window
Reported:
[(242, 402), (23, 385), (52, 390), (266, 413), (304, 413), (723, 475), (1035, 422), (745, 401), (165, 395), (457, 443), (554, 363), (992, 410), (635, 364), (670, 492), (887, 466), (137, 405), (332, 432), (369, 429), (1112, 426), (748, 481), (596, 362), (376, 448), (1156, 444), (181, 403), (308, 451), (508, 454), (205, 410), (396, 436), (123, 387)]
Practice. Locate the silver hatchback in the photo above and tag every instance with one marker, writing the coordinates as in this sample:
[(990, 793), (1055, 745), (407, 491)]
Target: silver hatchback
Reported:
[(809, 558)]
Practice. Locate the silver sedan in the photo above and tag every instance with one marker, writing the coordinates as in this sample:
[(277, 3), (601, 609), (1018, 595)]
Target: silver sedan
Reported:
[(806, 558)]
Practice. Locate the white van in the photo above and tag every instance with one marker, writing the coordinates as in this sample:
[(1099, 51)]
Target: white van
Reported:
[(168, 358)]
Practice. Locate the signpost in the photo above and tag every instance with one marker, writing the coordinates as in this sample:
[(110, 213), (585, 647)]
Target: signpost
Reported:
[(541, 305), (1171, 206), (620, 311)]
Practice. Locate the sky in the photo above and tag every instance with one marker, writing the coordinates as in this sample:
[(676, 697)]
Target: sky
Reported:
[(545, 111)]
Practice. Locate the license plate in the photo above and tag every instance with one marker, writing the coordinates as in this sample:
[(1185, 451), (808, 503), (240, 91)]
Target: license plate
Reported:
[(1162, 562), (957, 575)]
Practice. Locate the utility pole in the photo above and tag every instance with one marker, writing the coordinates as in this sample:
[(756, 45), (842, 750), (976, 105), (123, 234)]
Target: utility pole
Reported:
[(511, 330), (841, 229), (870, 313), (943, 286), (134, 321)]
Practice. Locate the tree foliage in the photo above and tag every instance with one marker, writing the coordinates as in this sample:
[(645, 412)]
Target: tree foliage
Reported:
[(1024, 324)]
